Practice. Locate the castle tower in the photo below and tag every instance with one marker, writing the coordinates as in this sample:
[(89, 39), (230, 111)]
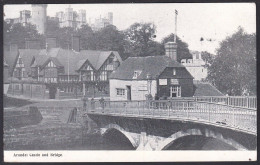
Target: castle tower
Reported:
[(110, 17), (39, 15)]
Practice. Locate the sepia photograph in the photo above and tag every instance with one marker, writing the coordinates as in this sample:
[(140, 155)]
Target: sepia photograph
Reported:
[(129, 82)]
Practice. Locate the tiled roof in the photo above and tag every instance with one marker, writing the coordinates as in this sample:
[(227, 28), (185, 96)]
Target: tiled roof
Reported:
[(27, 56), (153, 65), (206, 89), (97, 58), (68, 59)]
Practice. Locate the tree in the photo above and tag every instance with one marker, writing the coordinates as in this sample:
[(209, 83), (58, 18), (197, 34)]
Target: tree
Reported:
[(182, 47), (207, 58), (233, 71), (17, 33), (110, 38), (141, 37), (87, 37), (64, 37)]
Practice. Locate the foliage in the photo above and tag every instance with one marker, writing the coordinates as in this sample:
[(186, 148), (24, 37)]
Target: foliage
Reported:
[(140, 37), (17, 33), (182, 47), (207, 58), (87, 37), (64, 37), (233, 71), (110, 38)]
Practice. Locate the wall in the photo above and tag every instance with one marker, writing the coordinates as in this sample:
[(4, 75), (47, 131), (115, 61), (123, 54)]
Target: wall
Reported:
[(39, 14), (136, 92), (185, 83), (198, 72), (28, 90)]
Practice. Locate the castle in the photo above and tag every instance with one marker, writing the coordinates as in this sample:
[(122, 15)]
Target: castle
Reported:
[(67, 18)]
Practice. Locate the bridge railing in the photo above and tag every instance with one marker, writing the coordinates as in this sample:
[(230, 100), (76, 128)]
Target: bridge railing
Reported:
[(201, 111), (238, 101)]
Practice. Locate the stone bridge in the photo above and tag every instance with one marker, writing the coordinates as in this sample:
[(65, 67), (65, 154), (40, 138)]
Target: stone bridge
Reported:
[(158, 126)]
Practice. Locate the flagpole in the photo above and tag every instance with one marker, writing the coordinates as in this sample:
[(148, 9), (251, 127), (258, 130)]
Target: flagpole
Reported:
[(175, 36)]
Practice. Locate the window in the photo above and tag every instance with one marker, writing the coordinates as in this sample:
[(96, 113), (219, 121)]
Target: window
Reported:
[(174, 82), (120, 92), (103, 76), (136, 74), (175, 91), (174, 71)]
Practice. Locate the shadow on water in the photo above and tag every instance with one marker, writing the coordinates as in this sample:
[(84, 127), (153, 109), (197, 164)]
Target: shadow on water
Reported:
[(198, 143)]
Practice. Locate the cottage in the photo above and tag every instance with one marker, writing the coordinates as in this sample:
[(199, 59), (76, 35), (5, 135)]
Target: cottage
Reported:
[(163, 76)]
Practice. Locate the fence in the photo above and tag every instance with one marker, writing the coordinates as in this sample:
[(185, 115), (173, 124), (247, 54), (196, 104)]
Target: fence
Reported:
[(225, 115), (237, 101)]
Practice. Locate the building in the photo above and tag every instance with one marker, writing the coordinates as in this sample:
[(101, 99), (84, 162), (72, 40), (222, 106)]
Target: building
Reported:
[(25, 17), (156, 75), (39, 17), (71, 18), (67, 18), (102, 22), (205, 89), (60, 73), (196, 66)]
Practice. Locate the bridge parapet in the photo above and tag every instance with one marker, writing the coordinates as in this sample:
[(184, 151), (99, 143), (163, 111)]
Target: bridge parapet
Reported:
[(211, 113)]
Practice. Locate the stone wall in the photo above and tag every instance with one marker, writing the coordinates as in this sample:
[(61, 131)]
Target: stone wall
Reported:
[(53, 132)]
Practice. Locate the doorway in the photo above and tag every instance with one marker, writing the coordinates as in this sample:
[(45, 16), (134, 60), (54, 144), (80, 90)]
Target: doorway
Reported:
[(52, 91), (175, 91), (128, 88)]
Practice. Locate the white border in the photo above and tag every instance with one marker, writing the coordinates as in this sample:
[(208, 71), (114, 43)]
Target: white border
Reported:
[(131, 156)]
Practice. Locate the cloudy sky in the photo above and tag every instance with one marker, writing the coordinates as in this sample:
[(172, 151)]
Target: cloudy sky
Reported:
[(208, 20)]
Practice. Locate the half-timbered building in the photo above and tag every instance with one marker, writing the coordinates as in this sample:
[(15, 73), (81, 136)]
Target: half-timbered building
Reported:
[(66, 73)]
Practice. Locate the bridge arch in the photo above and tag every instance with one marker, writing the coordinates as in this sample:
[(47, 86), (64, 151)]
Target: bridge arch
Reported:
[(197, 132), (129, 136)]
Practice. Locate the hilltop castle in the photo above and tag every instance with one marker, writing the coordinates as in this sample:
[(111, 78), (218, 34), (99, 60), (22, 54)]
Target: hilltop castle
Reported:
[(70, 18)]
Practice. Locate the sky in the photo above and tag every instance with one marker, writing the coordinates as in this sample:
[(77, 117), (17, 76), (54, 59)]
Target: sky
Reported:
[(213, 21)]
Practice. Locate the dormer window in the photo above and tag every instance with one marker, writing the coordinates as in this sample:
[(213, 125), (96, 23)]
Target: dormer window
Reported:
[(137, 73), (174, 71)]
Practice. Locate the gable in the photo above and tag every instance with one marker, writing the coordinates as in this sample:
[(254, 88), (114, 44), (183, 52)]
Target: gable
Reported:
[(19, 62), (108, 64), (86, 66), (51, 64)]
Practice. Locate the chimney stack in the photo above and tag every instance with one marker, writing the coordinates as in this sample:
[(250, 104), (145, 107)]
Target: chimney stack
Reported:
[(32, 44), (51, 42), (171, 50), (76, 43)]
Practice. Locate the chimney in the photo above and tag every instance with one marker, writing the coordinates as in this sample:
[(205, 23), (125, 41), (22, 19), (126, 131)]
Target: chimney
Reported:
[(32, 44), (51, 42), (76, 43), (171, 50)]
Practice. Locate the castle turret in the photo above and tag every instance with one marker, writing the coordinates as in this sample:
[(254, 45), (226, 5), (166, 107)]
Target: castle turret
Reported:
[(39, 15), (110, 17)]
